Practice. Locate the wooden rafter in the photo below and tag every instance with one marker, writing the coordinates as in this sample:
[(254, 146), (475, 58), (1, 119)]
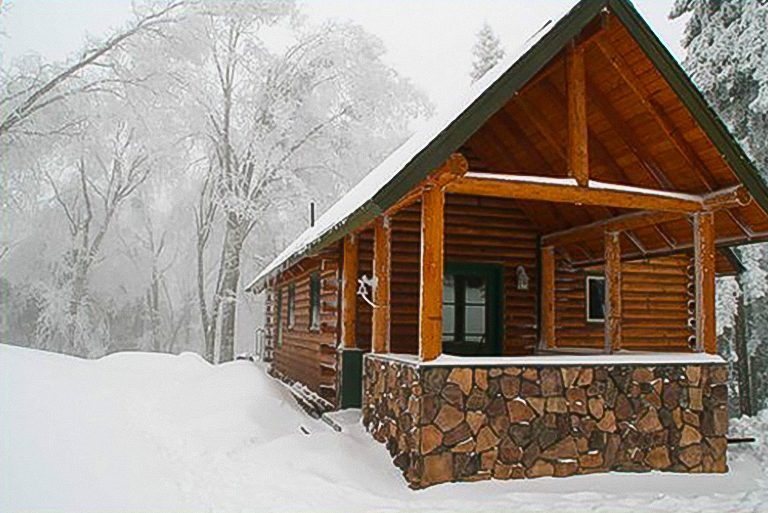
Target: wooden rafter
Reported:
[(720, 200), (596, 147), (568, 191), (654, 170), (723, 242), (597, 229), (629, 77), (578, 153)]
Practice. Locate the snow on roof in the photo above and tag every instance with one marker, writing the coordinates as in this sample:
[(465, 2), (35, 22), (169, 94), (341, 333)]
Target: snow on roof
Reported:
[(380, 176)]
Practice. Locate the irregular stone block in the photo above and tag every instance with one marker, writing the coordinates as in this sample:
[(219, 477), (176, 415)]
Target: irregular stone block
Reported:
[(448, 418), (463, 378), (658, 458), (438, 468), (486, 439), (431, 439), (519, 411)]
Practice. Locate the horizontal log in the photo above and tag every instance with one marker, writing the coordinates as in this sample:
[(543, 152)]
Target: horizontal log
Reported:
[(566, 190), (731, 197)]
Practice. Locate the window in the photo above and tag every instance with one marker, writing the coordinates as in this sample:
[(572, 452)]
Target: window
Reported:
[(291, 305), (464, 308), (595, 286), (314, 301), (279, 317), (473, 309)]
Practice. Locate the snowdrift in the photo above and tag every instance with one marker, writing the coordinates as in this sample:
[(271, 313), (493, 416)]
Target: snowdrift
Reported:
[(152, 432)]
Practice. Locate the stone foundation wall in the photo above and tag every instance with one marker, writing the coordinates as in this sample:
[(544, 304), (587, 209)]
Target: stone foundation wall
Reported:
[(472, 423)]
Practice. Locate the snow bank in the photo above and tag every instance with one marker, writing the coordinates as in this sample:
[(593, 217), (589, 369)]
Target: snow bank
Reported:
[(147, 432)]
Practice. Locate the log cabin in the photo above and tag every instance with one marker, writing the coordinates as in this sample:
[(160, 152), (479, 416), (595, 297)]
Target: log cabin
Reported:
[(526, 287)]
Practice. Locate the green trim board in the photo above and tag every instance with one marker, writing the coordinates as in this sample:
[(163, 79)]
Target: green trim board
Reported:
[(499, 92), (351, 377)]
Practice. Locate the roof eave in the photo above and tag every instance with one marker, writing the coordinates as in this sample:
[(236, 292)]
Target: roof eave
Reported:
[(457, 132)]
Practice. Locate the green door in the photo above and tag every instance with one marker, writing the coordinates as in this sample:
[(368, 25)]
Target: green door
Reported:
[(473, 309)]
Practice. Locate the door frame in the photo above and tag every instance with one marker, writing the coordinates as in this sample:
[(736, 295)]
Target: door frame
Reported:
[(494, 312)]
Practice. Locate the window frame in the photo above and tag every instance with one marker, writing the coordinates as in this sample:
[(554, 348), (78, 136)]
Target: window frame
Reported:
[(291, 306), (279, 318), (588, 298), (495, 314), (314, 301)]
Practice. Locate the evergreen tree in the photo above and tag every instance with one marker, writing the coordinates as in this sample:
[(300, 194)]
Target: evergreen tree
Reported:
[(487, 52), (727, 56)]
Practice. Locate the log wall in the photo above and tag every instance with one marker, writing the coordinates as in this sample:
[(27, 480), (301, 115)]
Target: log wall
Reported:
[(655, 306), (309, 355), (477, 230)]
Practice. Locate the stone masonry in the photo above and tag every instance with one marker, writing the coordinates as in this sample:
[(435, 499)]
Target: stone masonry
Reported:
[(445, 424)]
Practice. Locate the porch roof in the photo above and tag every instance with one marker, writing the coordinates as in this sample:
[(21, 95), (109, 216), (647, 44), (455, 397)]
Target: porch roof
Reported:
[(431, 146)]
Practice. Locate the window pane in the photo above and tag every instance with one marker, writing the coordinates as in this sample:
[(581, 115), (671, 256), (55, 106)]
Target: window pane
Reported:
[(449, 288), (475, 290), (596, 298), (474, 322), (449, 322), (314, 301)]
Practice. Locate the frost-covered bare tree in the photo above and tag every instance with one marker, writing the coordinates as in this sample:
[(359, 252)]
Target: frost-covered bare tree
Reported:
[(89, 191), (32, 86), (235, 112), (278, 120)]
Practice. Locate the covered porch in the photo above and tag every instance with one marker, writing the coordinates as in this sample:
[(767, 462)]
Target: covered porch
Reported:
[(543, 302), (486, 358)]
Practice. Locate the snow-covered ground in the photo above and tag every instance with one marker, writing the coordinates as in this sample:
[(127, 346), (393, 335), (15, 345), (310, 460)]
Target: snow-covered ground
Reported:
[(147, 432)]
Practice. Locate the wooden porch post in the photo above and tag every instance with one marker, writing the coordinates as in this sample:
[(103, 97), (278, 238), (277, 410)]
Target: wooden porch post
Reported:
[(431, 275), (578, 135), (349, 292), (704, 260), (612, 292), (548, 297), (381, 272)]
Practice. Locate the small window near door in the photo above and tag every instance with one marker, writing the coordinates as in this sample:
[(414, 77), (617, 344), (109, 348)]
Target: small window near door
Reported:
[(595, 286), (314, 301), (279, 317), (291, 305)]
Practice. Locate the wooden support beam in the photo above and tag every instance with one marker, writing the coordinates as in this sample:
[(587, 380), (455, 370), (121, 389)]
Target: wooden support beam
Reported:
[(547, 297), (431, 277), (612, 292), (566, 190), (349, 291), (719, 200), (382, 258), (597, 229), (578, 135), (704, 265), (731, 197), (723, 242), (454, 167)]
